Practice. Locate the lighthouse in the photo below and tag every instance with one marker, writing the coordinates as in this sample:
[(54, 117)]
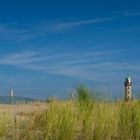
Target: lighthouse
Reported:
[(128, 88)]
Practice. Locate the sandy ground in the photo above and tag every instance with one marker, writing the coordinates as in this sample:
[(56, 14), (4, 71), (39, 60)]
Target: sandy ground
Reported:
[(22, 108)]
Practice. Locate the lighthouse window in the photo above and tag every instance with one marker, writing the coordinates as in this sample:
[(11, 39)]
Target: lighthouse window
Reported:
[(128, 87)]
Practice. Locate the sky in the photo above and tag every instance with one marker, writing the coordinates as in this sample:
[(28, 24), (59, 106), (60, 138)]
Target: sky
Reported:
[(48, 47)]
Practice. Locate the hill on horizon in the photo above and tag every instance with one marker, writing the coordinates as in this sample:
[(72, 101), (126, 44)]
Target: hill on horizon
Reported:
[(16, 99)]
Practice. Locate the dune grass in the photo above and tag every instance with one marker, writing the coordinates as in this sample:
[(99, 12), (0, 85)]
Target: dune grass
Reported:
[(83, 118)]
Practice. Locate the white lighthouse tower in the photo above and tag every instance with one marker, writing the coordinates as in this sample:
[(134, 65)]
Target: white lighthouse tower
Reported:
[(128, 88), (11, 93)]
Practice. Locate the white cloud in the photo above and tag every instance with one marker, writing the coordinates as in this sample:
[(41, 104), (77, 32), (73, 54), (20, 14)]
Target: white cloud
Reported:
[(82, 64), (70, 24), (20, 59), (21, 34), (131, 13)]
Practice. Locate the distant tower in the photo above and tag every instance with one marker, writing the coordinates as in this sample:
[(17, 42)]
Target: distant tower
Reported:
[(11, 93), (128, 88), (11, 96)]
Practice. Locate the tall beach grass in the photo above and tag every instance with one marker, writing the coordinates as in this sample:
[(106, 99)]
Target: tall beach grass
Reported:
[(82, 118)]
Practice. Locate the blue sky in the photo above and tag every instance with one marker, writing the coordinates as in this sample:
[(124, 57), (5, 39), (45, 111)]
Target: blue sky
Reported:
[(49, 46)]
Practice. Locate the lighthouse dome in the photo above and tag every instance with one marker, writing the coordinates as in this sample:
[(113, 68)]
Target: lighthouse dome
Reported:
[(127, 80)]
